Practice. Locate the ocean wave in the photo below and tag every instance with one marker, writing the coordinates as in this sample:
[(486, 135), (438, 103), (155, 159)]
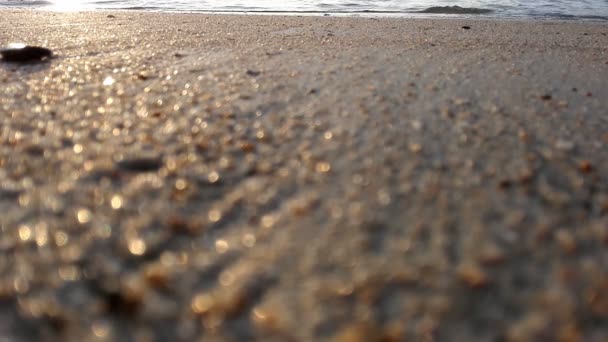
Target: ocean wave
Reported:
[(455, 10)]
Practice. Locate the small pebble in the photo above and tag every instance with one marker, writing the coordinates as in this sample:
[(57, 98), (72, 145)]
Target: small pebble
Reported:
[(20, 53), (157, 275), (466, 27), (473, 276), (142, 164), (492, 255), (585, 166), (504, 184), (253, 73), (247, 147), (566, 241), (546, 97), (34, 150)]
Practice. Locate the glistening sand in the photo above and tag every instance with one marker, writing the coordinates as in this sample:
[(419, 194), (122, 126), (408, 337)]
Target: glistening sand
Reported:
[(182, 177)]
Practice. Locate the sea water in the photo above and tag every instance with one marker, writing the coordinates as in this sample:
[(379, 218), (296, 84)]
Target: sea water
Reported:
[(538, 9)]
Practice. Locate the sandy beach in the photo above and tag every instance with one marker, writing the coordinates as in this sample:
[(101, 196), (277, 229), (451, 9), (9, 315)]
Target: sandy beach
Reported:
[(185, 177)]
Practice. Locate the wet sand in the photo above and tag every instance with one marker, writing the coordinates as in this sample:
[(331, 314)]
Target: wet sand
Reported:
[(176, 177)]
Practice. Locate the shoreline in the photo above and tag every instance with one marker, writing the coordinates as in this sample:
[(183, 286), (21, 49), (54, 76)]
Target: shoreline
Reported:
[(347, 14), (242, 177)]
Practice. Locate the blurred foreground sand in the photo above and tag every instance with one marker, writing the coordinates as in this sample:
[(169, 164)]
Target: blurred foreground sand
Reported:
[(170, 177)]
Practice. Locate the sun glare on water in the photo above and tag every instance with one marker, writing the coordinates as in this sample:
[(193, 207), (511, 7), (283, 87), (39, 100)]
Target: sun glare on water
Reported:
[(68, 5)]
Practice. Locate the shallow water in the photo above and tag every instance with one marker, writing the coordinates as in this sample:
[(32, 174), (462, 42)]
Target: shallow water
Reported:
[(560, 9)]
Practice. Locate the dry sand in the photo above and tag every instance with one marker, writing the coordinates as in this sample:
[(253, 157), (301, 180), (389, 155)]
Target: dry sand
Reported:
[(174, 177)]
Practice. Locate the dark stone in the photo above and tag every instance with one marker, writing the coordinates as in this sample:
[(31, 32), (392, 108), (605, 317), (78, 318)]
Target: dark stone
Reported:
[(117, 303), (546, 97), (253, 73), (34, 150), (504, 184), (25, 54), (466, 27), (9, 194), (141, 164)]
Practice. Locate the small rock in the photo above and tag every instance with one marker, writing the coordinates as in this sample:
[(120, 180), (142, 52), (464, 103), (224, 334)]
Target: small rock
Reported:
[(20, 53), (253, 73), (491, 254), (141, 164), (142, 77), (585, 166), (473, 276), (34, 150), (180, 225), (546, 97), (111, 16), (566, 241), (504, 184), (247, 147), (157, 275), (466, 27), (9, 194)]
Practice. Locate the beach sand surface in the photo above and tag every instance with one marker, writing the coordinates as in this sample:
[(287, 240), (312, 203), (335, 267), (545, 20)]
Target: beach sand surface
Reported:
[(176, 177)]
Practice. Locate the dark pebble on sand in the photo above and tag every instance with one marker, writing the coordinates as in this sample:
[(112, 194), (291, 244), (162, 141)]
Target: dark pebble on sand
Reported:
[(9, 194), (34, 150), (141, 164), (546, 97), (25, 53), (253, 73), (111, 16), (466, 27), (585, 166), (504, 184)]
